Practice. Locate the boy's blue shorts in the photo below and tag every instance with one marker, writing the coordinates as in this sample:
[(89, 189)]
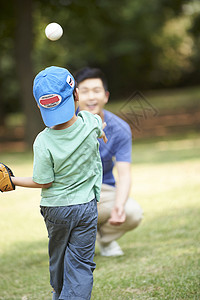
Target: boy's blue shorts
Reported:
[(72, 235)]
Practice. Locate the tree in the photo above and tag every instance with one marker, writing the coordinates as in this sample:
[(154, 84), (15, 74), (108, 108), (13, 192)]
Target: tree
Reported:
[(23, 46)]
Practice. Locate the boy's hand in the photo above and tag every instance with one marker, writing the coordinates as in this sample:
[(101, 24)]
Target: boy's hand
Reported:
[(103, 136), (104, 125), (6, 183)]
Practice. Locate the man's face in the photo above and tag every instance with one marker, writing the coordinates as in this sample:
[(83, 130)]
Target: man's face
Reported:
[(92, 95)]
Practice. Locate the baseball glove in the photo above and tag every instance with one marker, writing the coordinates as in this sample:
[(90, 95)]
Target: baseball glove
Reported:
[(6, 183)]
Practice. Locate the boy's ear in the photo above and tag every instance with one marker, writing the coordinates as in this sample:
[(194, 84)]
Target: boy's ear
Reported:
[(76, 94), (76, 98)]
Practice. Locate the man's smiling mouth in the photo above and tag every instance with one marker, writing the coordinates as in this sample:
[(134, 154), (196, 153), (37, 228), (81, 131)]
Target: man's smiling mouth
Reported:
[(92, 106)]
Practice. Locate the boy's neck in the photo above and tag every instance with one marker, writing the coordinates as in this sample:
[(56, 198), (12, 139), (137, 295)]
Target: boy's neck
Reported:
[(66, 124)]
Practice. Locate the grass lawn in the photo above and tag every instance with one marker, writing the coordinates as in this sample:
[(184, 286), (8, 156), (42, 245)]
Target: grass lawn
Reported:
[(161, 258)]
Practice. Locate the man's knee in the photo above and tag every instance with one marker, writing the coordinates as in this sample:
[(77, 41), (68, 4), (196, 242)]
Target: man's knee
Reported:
[(134, 214)]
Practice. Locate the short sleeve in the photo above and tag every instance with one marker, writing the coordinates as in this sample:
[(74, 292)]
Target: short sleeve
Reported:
[(42, 165), (99, 124), (124, 146)]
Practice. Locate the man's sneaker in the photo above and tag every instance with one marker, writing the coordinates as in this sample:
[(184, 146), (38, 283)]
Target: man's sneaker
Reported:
[(111, 249)]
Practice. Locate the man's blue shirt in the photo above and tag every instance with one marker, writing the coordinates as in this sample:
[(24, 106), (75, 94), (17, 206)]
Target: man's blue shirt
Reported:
[(118, 147)]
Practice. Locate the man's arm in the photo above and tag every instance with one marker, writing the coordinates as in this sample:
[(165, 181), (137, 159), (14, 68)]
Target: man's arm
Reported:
[(122, 192), (28, 182)]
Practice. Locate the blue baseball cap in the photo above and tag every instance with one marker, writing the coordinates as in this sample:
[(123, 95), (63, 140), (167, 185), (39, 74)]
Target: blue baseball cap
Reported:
[(53, 91)]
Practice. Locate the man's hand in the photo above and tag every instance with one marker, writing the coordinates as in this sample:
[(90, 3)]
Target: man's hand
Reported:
[(117, 216)]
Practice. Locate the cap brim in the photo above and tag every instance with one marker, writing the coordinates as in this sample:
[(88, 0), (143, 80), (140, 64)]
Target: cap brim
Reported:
[(60, 114)]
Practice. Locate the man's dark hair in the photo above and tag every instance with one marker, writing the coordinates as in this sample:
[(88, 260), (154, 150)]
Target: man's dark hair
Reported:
[(90, 73)]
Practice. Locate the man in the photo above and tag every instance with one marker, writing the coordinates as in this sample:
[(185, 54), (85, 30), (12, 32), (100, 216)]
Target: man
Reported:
[(117, 213)]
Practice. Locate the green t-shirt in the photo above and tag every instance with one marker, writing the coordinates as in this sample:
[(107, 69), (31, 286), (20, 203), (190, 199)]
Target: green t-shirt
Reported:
[(70, 159)]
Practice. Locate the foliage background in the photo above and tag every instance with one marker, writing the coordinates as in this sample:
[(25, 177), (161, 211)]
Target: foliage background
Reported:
[(139, 44)]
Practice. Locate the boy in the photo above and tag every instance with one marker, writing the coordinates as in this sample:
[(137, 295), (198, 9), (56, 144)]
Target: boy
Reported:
[(117, 213), (67, 166)]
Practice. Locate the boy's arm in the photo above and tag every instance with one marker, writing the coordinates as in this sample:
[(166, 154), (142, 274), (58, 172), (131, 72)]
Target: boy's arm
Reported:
[(28, 182)]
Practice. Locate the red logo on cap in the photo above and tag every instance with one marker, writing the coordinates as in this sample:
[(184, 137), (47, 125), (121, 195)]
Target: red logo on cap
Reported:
[(49, 101)]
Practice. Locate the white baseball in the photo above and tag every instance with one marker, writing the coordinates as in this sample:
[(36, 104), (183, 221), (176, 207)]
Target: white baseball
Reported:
[(53, 31)]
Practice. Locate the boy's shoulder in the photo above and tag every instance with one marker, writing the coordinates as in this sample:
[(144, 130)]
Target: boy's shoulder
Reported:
[(41, 135), (88, 116), (85, 114)]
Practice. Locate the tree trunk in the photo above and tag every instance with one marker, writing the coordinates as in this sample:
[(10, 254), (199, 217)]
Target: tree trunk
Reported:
[(23, 46)]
